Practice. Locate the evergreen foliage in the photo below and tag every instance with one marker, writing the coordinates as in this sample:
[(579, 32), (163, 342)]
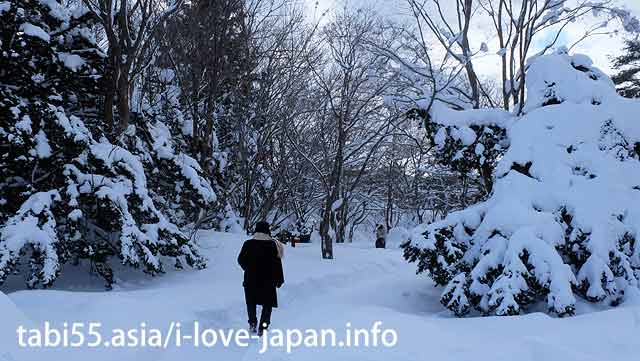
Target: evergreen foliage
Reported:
[(627, 66), (67, 193)]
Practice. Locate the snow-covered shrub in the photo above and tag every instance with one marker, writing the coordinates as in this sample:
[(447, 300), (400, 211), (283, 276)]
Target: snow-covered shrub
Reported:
[(66, 192), (469, 141), (563, 217)]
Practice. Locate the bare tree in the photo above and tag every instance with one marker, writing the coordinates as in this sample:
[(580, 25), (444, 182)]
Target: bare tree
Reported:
[(282, 39), (351, 119), (129, 27), (516, 25)]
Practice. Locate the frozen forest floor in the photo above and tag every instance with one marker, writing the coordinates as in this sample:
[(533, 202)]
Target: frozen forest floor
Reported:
[(361, 286)]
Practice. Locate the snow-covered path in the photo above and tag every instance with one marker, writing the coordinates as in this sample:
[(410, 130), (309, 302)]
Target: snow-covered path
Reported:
[(361, 286)]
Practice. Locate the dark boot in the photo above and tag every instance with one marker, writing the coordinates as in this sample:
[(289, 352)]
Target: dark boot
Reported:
[(265, 319), (253, 320)]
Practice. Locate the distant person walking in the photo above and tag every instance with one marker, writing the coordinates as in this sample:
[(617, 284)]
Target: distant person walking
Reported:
[(381, 236), (261, 261)]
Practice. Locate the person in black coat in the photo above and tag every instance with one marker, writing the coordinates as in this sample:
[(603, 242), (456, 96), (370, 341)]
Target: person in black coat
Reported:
[(261, 261), (381, 236)]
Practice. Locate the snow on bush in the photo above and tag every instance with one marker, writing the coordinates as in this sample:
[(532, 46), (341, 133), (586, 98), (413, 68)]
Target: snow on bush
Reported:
[(232, 222), (562, 219), (165, 150), (161, 138), (33, 224), (469, 141), (35, 31)]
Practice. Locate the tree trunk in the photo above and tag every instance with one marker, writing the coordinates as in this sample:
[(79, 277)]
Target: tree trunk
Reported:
[(388, 214), (341, 230), (466, 52), (247, 209), (111, 87), (334, 192), (327, 243), (486, 173), (195, 112), (124, 113)]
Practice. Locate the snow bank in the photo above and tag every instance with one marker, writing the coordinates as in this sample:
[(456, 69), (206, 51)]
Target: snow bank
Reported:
[(12, 318), (397, 236), (214, 297), (360, 286), (563, 213)]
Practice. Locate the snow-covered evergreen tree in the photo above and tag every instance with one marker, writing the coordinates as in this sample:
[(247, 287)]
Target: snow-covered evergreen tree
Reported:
[(66, 192), (176, 179), (627, 78), (563, 217), (472, 149)]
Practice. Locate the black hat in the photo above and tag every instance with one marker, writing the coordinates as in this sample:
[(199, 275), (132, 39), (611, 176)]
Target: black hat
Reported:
[(263, 227)]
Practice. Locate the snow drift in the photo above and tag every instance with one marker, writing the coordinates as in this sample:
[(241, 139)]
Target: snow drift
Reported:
[(562, 219)]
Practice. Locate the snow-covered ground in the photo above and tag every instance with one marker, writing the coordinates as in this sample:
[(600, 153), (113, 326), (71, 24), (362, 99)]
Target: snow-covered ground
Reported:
[(361, 286)]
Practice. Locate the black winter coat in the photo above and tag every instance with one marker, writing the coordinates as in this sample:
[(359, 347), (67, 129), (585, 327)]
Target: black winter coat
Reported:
[(262, 272)]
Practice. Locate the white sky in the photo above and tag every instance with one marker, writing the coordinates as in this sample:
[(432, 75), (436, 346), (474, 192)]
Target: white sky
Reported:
[(599, 48)]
